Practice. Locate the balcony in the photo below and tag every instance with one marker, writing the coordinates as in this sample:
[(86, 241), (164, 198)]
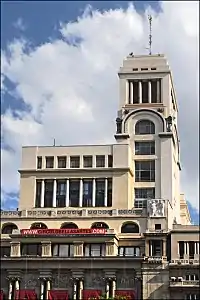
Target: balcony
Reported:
[(184, 262), (185, 283), (71, 213)]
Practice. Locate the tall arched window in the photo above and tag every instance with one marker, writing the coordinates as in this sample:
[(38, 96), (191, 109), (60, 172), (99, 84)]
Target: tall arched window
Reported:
[(100, 225), (144, 127), (130, 227), (69, 226), (8, 228), (38, 226)]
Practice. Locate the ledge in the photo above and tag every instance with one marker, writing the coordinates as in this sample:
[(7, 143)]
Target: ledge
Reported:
[(122, 136)]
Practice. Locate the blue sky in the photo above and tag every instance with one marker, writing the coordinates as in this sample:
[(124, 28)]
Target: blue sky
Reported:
[(41, 65)]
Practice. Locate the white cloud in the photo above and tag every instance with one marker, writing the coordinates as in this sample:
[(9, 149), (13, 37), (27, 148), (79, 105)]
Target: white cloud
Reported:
[(73, 91), (19, 24)]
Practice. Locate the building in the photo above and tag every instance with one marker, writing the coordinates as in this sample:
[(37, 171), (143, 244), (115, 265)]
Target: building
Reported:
[(107, 219)]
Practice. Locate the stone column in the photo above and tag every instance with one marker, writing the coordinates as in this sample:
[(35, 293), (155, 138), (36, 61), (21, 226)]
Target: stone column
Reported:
[(149, 91), (10, 288), (75, 289), (81, 193), (147, 248), (17, 284), (198, 248), (107, 288), (140, 92), (78, 248), (48, 286), (15, 249), (46, 248), (67, 193), (164, 248), (113, 287), (54, 192), (151, 248), (42, 194), (131, 92), (185, 248), (80, 289), (42, 290), (93, 192), (106, 193)]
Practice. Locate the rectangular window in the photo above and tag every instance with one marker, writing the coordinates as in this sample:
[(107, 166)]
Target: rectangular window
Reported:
[(74, 190), (74, 161), (110, 161), (145, 91), (49, 162), (94, 250), (135, 92), (87, 161), (100, 192), (100, 161), (48, 193), (87, 193), (157, 226), (62, 250), (191, 250), (155, 90), (62, 162), (38, 193), (61, 193), (145, 148), (31, 249), (145, 171), (156, 248), (181, 249), (144, 193), (109, 193), (39, 162), (129, 251), (5, 251)]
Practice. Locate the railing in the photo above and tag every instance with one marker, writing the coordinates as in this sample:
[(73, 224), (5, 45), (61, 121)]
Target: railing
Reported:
[(71, 213), (156, 231), (184, 261), (189, 283)]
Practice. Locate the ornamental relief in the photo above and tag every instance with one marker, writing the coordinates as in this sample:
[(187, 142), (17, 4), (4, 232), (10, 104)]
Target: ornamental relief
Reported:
[(29, 281), (125, 280), (93, 279), (61, 280)]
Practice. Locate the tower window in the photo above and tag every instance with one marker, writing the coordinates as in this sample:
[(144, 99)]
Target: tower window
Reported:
[(157, 226), (39, 162), (48, 193), (156, 90), (145, 171), (62, 161), (61, 193), (49, 162), (87, 161), (145, 148), (110, 161), (135, 92), (143, 127), (145, 92), (100, 161), (75, 162), (74, 191)]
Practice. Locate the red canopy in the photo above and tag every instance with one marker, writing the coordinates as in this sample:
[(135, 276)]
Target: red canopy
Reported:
[(57, 295), (25, 295), (1, 295), (129, 294), (91, 294)]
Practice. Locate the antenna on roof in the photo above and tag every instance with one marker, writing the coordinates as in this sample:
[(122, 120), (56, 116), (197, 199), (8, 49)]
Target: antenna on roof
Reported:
[(150, 33), (54, 142)]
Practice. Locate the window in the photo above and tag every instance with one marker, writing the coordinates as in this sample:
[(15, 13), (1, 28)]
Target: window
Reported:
[(143, 127), (74, 190), (157, 226), (192, 297), (39, 162), (48, 193), (156, 91), (100, 192), (129, 251), (145, 148), (109, 193), (191, 250), (38, 226), (145, 92), (8, 228), (145, 171), (87, 161), (31, 249), (192, 277), (130, 227), (100, 225), (5, 251), (38, 193), (181, 249), (110, 161), (144, 193), (135, 92), (61, 193), (155, 248), (87, 193), (62, 162), (100, 161), (49, 162), (94, 250), (63, 250), (75, 162)]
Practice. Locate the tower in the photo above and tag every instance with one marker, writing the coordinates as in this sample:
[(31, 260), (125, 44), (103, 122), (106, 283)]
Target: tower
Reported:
[(147, 120)]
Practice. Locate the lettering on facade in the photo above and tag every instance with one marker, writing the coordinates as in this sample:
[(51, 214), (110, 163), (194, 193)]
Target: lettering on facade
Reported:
[(100, 212), (63, 231), (127, 212), (69, 212)]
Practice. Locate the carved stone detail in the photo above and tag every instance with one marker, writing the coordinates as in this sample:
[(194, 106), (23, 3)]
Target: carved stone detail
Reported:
[(94, 279), (125, 280)]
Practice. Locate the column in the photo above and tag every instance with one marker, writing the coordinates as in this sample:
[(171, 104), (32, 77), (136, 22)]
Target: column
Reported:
[(42, 290), (185, 248), (106, 193), (42, 194), (10, 287), (107, 288), (80, 289), (131, 92), (93, 192), (106, 161), (197, 247), (164, 248), (149, 91), (17, 284), (48, 285), (75, 289), (151, 248), (188, 252), (54, 192), (178, 252), (147, 248), (113, 288), (67, 193), (81, 193), (140, 92)]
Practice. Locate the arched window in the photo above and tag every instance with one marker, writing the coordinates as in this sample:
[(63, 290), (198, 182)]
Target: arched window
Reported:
[(130, 227), (69, 226), (100, 225), (8, 228), (38, 226), (144, 127)]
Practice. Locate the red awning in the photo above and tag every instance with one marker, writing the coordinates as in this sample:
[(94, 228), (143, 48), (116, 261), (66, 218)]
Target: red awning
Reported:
[(1, 295), (25, 295), (91, 294), (58, 295), (129, 294)]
